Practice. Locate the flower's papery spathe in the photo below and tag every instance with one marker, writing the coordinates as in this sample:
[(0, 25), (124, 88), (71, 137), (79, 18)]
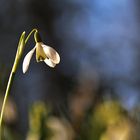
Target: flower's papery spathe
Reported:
[(51, 54), (27, 60)]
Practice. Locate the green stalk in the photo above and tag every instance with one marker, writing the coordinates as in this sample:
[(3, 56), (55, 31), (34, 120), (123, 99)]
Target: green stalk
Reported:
[(34, 30), (21, 45)]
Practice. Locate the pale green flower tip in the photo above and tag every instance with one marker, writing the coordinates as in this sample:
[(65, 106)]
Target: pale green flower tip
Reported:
[(23, 34), (23, 37)]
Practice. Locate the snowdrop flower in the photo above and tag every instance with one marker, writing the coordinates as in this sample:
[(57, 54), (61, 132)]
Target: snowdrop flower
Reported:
[(43, 53)]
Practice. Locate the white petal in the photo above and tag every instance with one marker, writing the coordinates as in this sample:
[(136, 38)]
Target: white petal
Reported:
[(51, 54), (49, 63), (27, 60)]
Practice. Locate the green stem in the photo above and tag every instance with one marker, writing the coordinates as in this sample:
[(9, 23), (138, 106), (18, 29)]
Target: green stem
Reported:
[(21, 45), (34, 30), (5, 98)]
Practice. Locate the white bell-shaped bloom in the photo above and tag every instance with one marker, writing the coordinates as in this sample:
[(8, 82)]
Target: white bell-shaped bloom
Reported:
[(43, 53)]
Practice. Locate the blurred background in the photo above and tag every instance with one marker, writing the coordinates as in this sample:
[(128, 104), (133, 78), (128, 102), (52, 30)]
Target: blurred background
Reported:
[(94, 93)]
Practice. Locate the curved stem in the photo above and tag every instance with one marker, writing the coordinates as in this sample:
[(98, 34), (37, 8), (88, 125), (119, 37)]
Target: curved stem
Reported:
[(34, 30), (21, 45)]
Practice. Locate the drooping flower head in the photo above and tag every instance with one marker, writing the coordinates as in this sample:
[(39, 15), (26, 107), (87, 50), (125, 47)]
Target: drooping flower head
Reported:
[(43, 53)]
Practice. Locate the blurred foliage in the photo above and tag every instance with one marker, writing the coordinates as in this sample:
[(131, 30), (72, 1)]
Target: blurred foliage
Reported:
[(104, 120), (107, 121), (9, 121), (44, 126), (38, 117), (9, 133), (3, 76)]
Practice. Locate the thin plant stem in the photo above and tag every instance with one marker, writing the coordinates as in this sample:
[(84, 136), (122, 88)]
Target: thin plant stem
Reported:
[(21, 45), (34, 30), (5, 98)]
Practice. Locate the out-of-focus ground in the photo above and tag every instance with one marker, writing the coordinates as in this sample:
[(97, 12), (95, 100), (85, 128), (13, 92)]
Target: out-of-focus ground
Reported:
[(94, 92)]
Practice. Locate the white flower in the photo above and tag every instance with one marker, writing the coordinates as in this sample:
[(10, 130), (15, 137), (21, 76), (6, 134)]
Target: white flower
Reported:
[(43, 53)]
